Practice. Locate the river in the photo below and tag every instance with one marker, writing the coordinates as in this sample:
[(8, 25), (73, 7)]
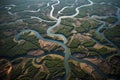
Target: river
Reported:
[(67, 55)]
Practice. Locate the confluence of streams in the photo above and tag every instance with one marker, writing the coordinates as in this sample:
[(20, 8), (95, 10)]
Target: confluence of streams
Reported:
[(67, 51)]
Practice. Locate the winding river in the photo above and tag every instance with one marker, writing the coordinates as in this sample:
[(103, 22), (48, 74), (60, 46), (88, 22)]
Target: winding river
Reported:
[(103, 23), (67, 55)]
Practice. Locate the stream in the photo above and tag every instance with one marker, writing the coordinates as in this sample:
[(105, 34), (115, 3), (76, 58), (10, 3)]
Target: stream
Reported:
[(67, 54)]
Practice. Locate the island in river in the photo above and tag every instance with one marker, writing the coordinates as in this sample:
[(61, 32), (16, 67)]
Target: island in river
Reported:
[(60, 40)]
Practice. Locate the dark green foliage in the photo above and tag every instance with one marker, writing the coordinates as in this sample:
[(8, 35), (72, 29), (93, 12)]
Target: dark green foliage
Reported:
[(4, 66), (97, 9), (66, 30), (102, 30), (11, 49), (16, 71), (102, 50), (110, 20), (66, 27), (27, 72), (55, 67), (97, 37), (28, 63), (94, 24), (17, 61), (75, 43), (24, 78), (114, 62), (113, 34), (69, 11), (113, 2), (88, 43), (41, 76), (30, 38), (67, 22), (79, 49), (84, 27), (92, 53), (31, 71), (77, 73), (52, 68)]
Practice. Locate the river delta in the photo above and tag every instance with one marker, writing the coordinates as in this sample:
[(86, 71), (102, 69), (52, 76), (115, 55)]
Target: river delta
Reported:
[(60, 40)]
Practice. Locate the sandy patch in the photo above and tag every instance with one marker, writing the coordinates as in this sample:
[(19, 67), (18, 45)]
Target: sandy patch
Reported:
[(97, 46), (35, 52)]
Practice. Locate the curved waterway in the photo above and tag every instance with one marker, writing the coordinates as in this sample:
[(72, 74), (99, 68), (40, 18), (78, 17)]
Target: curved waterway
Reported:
[(62, 44), (103, 23)]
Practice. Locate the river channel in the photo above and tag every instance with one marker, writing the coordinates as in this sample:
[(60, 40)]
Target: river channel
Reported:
[(67, 54)]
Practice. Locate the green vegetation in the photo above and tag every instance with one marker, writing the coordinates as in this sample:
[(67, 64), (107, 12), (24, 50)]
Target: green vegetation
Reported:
[(93, 53), (38, 26), (17, 61), (102, 30), (86, 25), (4, 66), (79, 49), (74, 43), (16, 71), (113, 2), (66, 31), (97, 9), (28, 63), (11, 49), (77, 73), (94, 24), (114, 62), (67, 22), (89, 43), (55, 67), (31, 71), (13, 55), (102, 51), (113, 34), (21, 72), (66, 27), (69, 11), (41, 76), (97, 37), (62, 4), (110, 20)]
